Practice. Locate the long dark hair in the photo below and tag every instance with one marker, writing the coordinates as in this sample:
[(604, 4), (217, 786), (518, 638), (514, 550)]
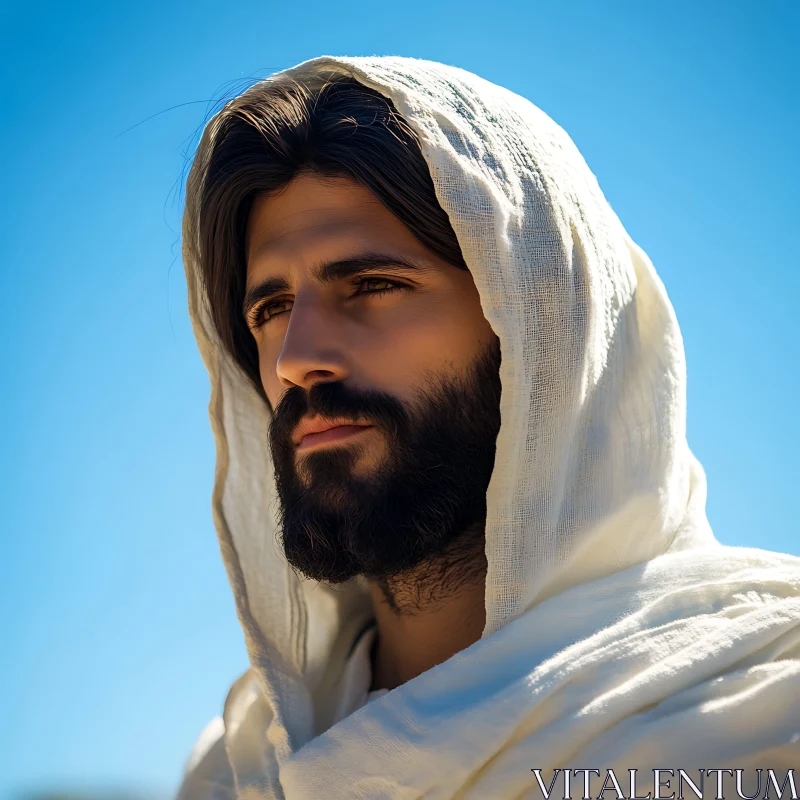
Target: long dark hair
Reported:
[(274, 131)]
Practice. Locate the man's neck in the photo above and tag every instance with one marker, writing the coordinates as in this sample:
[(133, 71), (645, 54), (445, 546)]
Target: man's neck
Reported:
[(426, 616)]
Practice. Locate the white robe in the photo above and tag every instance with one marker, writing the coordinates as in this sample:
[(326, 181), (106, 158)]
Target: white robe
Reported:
[(619, 634)]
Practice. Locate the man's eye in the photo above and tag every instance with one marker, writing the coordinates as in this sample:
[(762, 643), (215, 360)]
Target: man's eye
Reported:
[(270, 310), (368, 286), (388, 285)]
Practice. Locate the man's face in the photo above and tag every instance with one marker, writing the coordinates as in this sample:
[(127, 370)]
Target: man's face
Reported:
[(361, 327)]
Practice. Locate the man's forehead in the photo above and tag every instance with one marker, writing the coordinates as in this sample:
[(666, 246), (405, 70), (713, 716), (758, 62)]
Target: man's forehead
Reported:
[(302, 231), (308, 205), (323, 231)]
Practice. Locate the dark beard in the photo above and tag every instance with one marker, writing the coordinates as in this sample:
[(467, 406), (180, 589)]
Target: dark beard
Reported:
[(425, 503)]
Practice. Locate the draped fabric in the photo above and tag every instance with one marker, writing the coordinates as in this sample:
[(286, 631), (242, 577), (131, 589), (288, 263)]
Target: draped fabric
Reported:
[(619, 633)]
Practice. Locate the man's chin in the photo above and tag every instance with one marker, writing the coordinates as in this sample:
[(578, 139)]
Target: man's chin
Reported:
[(360, 460), (321, 467)]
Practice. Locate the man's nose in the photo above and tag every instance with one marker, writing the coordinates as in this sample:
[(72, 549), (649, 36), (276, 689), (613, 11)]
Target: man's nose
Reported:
[(312, 350)]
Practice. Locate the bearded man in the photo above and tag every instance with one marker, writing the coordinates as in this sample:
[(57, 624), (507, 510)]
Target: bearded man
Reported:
[(465, 533)]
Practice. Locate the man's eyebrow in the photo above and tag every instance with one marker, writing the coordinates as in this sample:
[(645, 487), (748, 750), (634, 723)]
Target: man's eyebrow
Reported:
[(331, 271)]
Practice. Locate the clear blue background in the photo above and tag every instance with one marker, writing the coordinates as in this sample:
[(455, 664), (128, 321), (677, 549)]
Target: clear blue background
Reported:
[(119, 637)]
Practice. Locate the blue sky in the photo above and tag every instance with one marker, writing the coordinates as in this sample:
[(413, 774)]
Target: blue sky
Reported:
[(119, 633)]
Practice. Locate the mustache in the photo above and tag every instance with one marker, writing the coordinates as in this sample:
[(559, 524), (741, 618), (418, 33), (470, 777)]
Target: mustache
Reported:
[(336, 399)]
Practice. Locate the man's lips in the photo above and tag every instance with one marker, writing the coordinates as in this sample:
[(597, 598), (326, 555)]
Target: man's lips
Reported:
[(319, 430)]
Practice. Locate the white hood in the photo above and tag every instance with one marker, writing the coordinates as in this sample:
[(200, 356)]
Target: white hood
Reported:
[(596, 531)]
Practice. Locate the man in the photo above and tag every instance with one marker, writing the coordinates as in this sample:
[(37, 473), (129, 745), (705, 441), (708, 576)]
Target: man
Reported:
[(465, 533)]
